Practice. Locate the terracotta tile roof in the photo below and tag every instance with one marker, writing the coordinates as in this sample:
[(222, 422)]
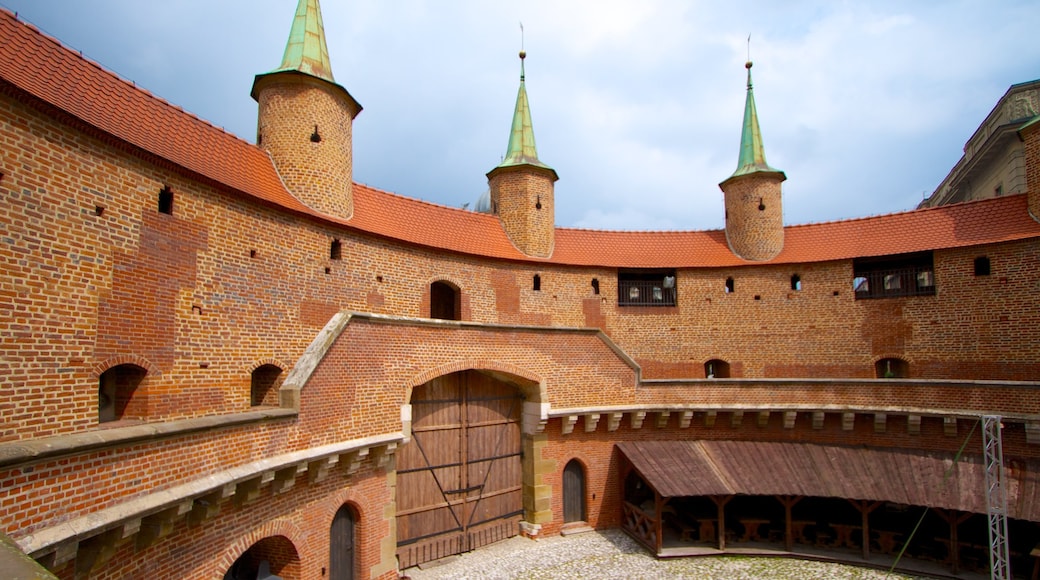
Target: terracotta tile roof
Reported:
[(45, 69), (428, 224), (697, 468), (980, 222)]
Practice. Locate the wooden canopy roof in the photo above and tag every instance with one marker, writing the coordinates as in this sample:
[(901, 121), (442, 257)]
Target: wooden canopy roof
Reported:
[(700, 468)]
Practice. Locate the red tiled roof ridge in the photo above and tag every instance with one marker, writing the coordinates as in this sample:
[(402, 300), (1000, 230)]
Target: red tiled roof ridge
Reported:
[(115, 75), (417, 200), (579, 230), (939, 208)]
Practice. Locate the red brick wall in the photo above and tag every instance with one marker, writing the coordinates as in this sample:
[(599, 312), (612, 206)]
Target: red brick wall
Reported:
[(205, 293)]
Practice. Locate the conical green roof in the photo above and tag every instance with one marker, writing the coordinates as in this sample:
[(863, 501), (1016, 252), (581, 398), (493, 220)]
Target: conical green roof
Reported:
[(752, 153), (521, 149), (306, 50)]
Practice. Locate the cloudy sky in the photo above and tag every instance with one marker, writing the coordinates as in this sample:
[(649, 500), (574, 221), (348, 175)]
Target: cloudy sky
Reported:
[(636, 104)]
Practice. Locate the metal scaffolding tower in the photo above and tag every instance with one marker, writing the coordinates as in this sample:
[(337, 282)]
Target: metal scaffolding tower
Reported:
[(996, 498)]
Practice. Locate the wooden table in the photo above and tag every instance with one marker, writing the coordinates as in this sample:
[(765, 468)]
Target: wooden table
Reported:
[(843, 535), (887, 540), (798, 530), (751, 529)]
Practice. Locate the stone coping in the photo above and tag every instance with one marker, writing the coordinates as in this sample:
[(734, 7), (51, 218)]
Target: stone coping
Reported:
[(43, 541), (294, 383), (15, 453), (840, 381), (781, 408)]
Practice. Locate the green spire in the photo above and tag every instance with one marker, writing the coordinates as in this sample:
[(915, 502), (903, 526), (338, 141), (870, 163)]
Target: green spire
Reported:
[(521, 149), (306, 50), (752, 153)]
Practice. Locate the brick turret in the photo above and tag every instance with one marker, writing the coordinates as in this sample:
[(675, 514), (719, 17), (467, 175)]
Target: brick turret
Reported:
[(1030, 134), (522, 187), (754, 208), (305, 119)]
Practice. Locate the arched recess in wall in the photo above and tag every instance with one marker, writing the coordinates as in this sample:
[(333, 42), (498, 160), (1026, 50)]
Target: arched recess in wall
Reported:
[(263, 385), (891, 368), (343, 544), (116, 389), (445, 301), (716, 369), (274, 555), (574, 507)]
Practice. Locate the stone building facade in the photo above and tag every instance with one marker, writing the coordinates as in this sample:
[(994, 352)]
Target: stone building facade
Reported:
[(216, 354)]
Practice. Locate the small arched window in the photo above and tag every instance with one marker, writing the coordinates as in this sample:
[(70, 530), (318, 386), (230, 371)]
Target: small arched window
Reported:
[(595, 285), (716, 369), (729, 285), (796, 282), (336, 250), (263, 387), (116, 389), (891, 368), (445, 301), (537, 285)]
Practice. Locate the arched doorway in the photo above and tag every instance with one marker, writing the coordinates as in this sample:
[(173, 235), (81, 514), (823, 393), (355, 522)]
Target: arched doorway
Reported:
[(445, 301), (263, 385), (342, 541), (271, 558), (116, 388), (459, 479), (573, 492)]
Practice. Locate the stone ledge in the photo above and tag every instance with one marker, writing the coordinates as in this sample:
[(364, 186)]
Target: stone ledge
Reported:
[(47, 540), (15, 453)]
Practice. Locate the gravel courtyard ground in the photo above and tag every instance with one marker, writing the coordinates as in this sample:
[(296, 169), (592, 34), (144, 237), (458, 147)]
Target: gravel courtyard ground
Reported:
[(612, 554)]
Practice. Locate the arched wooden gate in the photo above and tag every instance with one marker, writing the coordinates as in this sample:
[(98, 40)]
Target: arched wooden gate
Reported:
[(459, 479)]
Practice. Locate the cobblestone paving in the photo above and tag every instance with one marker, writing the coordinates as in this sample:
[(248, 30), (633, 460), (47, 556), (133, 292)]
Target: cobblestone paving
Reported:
[(612, 554)]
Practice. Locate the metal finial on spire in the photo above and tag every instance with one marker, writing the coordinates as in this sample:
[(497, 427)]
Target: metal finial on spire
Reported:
[(748, 64), (523, 53)]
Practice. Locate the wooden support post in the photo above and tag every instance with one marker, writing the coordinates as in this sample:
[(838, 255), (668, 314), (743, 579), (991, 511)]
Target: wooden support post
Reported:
[(953, 519), (720, 502), (788, 502), (658, 528), (865, 507)]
